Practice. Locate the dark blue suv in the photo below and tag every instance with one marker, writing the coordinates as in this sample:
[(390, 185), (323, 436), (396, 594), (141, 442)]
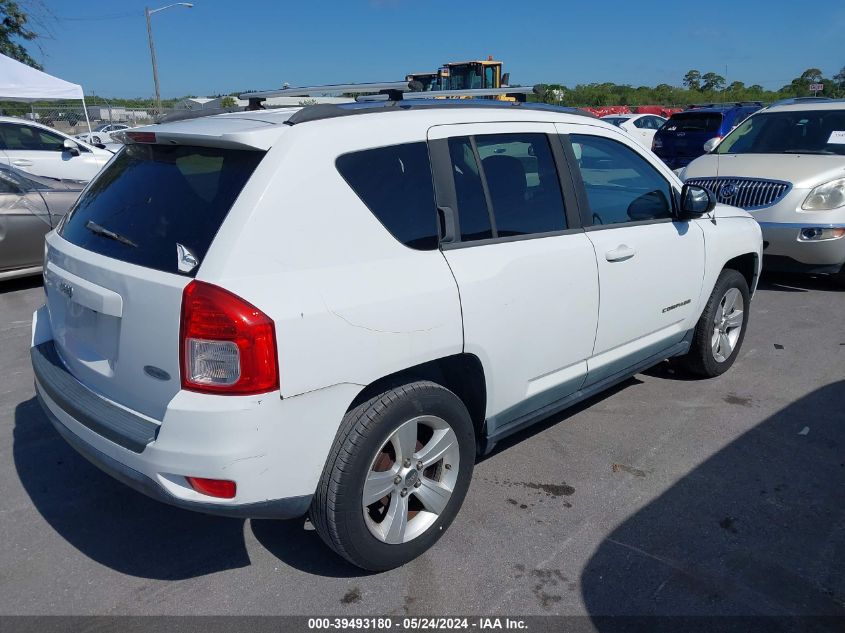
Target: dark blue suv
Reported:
[(681, 139)]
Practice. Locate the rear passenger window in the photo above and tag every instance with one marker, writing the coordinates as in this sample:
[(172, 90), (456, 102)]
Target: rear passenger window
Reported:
[(472, 205), (522, 183), (395, 184), (621, 185)]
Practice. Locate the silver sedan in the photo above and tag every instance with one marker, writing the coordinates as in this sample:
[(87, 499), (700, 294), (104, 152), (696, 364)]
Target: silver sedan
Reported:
[(30, 207)]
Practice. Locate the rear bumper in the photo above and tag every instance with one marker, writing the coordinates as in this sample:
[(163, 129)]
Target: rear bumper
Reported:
[(276, 509), (274, 449)]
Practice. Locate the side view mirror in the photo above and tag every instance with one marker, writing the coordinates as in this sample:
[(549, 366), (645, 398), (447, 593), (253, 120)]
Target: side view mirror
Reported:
[(712, 144), (696, 201), (506, 78), (71, 147)]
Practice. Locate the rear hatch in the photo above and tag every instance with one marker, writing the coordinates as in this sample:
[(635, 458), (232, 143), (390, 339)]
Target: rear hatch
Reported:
[(684, 134), (115, 272)]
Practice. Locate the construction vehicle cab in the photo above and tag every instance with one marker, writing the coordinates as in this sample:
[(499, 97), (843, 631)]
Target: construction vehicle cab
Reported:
[(428, 81), (473, 75)]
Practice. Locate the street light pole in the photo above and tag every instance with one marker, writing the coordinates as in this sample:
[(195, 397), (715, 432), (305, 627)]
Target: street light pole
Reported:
[(148, 13), (153, 57)]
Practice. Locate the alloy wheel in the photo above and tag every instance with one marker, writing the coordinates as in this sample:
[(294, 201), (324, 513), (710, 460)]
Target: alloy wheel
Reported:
[(727, 324), (411, 479)]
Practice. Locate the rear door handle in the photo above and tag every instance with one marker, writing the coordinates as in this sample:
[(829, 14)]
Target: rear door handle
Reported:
[(22, 162), (620, 253)]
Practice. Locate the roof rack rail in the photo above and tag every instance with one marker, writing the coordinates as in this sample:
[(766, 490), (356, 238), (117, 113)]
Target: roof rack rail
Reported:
[(724, 104), (517, 92), (796, 100), (322, 111), (384, 91), (393, 90)]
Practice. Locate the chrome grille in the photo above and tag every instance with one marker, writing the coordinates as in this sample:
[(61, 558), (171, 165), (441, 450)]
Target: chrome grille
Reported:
[(746, 193)]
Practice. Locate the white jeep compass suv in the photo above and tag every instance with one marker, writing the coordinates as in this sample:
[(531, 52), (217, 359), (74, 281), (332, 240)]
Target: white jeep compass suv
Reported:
[(331, 310)]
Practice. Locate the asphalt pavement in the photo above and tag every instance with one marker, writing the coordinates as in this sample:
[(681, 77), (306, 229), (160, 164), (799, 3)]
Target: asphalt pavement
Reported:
[(665, 496)]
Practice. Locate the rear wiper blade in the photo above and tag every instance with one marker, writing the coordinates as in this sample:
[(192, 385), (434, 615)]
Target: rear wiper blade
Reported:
[(101, 230)]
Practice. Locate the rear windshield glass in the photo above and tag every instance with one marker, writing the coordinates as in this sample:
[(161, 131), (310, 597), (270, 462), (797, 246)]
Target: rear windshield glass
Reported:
[(789, 132), (157, 205), (617, 121), (693, 122)]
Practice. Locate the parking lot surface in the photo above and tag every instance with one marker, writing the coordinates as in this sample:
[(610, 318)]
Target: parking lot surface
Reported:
[(664, 496)]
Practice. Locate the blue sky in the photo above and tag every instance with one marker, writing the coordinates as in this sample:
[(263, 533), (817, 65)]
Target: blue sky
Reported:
[(222, 45)]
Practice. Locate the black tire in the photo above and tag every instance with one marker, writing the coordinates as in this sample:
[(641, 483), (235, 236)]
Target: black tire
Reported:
[(701, 360), (337, 510)]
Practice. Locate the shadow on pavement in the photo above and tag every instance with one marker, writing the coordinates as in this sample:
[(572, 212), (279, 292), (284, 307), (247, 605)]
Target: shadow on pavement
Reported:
[(130, 533), (793, 282), (539, 427), (24, 283), (111, 523), (757, 529), (302, 549)]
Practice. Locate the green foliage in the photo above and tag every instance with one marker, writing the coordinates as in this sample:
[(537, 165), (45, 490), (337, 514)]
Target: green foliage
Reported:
[(228, 102), (692, 80), (811, 75), (13, 27), (712, 82), (839, 79), (698, 88)]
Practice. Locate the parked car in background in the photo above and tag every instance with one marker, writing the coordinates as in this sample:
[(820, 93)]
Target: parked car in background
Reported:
[(30, 206), (102, 134), (39, 150), (331, 309), (641, 127), (786, 165), (682, 137)]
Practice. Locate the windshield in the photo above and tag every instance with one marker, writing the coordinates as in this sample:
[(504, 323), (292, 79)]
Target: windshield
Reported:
[(693, 122), (429, 82), (617, 120), (465, 77), (154, 200), (791, 132)]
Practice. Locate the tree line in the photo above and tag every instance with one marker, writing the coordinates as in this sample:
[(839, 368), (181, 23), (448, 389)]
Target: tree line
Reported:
[(697, 87)]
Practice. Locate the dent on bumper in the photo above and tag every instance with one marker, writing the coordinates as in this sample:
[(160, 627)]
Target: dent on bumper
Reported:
[(288, 508)]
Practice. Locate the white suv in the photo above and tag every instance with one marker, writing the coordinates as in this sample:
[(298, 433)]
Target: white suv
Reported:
[(332, 309)]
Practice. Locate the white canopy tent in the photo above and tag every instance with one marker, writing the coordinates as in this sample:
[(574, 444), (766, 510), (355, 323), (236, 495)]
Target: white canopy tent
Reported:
[(19, 82)]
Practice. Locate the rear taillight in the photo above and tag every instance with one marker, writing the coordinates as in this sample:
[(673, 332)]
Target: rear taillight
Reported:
[(656, 143), (227, 346)]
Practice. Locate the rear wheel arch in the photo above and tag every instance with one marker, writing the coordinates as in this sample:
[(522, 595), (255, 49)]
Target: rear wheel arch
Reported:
[(461, 374)]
